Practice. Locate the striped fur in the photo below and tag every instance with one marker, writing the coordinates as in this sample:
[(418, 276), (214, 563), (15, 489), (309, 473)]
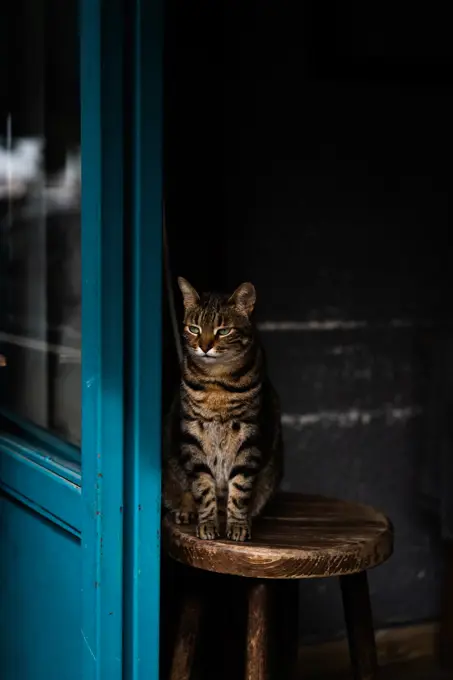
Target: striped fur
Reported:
[(223, 449)]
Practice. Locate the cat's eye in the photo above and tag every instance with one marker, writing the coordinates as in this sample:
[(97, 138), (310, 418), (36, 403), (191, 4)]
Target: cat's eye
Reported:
[(195, 330), (224, 331)]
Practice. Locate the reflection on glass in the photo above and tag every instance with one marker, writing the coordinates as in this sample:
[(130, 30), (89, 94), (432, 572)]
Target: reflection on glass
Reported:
[(40, 286)]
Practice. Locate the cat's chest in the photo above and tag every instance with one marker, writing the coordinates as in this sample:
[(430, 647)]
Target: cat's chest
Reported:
[(219, 437), (220, 443), (219, 404)]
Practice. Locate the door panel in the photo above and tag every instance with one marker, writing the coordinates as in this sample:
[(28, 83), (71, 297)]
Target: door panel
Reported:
[(41, 505), (40, 612), (78, 601), (61, 541)]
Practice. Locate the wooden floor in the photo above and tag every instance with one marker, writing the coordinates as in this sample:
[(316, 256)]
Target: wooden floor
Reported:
[(420, 670), (415, 671)]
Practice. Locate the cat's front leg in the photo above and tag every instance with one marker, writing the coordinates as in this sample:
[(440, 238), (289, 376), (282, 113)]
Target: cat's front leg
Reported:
[(202, 484), (204, 493), (240, 488)]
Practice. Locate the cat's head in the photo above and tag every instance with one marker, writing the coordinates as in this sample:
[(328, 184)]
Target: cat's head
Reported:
[(217, 327)]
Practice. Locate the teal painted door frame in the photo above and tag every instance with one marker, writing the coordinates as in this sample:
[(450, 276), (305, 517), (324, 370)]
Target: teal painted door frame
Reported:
[(103, 405), (144, 267), (80, 530)]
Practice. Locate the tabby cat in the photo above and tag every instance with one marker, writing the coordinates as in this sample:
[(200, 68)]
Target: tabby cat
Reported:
[(223, 451)]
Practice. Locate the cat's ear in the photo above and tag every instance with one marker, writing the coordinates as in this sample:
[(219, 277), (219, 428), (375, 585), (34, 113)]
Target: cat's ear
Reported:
[(244, 298), (189, 294)]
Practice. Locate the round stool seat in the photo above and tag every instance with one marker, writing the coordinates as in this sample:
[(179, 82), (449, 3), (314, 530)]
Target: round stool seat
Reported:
[(297, 537)]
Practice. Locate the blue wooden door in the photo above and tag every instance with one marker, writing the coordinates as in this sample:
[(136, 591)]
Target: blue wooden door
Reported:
[(80, 339)]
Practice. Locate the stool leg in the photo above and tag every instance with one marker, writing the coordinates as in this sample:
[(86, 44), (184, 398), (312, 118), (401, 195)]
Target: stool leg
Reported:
[(256, 656), (359, 624), (186, 640)]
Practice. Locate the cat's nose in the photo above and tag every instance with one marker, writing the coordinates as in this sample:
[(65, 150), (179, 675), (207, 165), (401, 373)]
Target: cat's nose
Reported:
[(206, 346)]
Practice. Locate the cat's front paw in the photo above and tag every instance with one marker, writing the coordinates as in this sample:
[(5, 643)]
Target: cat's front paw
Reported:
[(238, 532), (207, 530), (182, 517)]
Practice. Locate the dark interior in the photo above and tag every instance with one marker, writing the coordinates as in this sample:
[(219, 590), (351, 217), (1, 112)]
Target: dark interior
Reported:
[(308, 150)]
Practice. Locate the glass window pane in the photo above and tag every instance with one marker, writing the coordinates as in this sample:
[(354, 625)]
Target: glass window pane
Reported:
[(40, 286)]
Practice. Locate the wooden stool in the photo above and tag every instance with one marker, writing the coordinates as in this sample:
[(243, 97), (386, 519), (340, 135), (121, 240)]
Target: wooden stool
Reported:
[(297, 537)]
